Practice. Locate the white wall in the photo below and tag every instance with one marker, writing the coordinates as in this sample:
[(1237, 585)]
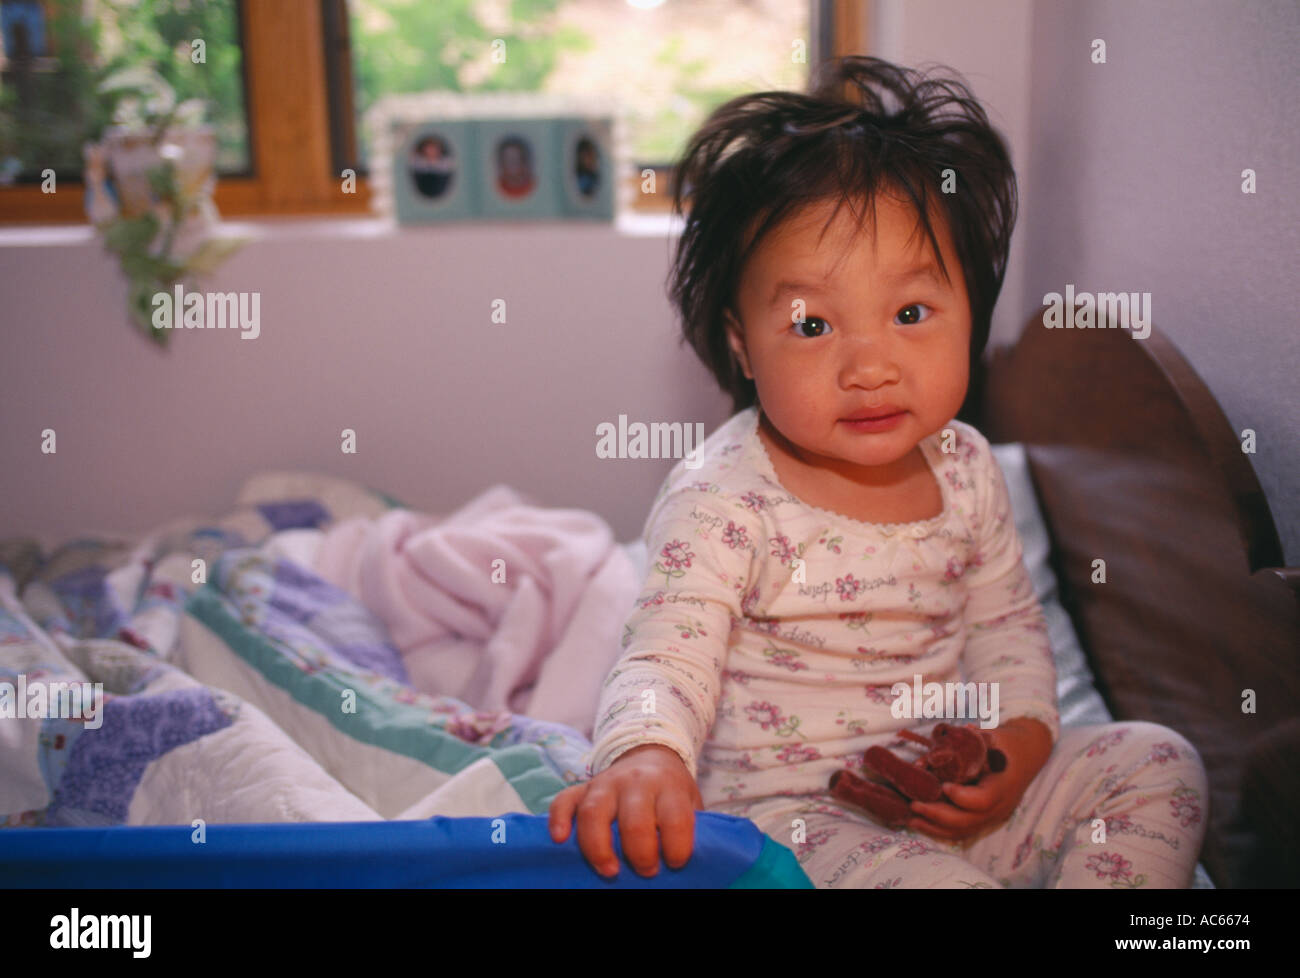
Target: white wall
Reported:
[(381, 330)]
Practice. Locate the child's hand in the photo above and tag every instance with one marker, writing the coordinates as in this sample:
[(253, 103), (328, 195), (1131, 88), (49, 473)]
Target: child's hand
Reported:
[(654, 798), (1027, 744)]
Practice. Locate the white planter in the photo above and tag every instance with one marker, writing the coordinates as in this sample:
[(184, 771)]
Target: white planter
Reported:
[(125, 158)]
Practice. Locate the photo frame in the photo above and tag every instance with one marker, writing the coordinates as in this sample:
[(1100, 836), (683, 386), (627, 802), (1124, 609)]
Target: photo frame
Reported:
[(434, 171), (518, 169), (437, 157), (586, 170)]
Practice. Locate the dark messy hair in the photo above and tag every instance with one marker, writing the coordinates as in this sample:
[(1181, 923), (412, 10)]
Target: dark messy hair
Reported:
[(760, 157)]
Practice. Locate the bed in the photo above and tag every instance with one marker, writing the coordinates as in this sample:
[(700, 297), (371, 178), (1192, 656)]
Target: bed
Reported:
[(224, 758)]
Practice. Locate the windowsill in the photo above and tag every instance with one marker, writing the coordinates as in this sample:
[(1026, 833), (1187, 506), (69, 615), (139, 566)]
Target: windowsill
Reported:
[(332, 228)]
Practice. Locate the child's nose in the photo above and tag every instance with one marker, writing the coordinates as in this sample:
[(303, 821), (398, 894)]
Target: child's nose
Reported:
[(868, 361)]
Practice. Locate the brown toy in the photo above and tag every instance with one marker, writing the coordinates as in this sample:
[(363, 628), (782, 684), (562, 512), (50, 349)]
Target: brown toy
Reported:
[(960, 753)]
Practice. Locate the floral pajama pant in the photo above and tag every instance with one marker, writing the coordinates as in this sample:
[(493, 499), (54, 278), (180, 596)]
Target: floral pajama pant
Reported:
[(1143, 782)]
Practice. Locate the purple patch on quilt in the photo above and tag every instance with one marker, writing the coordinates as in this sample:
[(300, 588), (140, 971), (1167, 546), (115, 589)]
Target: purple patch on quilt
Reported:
[(294, 514), (104, 766), (378, 657), (340, 623), (301, 593)]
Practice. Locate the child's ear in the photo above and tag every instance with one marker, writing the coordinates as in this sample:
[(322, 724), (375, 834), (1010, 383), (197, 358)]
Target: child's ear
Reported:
[(736, 340)]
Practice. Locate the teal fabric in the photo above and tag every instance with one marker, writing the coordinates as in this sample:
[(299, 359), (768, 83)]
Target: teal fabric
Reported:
[(775, 868)]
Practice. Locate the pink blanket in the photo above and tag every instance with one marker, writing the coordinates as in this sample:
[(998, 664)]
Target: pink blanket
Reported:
[(503, 604)]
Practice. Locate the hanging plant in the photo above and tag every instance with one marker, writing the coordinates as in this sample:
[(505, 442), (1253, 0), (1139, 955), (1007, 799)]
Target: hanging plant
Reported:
[(149, 184)]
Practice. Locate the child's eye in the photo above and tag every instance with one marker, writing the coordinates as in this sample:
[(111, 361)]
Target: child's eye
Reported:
[(912, 322), (820, 327)]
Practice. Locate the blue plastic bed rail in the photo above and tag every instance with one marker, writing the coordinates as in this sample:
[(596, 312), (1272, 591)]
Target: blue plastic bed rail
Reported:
[(505, 852)]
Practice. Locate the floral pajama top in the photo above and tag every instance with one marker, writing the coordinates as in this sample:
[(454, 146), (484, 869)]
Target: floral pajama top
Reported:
[(769, 633)]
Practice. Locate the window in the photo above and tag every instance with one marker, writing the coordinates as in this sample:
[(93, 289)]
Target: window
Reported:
[(668, 62), (288, 81), (55, 53)]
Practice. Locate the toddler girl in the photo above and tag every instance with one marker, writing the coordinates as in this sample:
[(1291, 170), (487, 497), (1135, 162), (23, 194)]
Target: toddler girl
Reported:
[(842, 532)]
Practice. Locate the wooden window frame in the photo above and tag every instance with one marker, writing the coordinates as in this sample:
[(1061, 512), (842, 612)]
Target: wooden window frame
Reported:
[(289, 121), (288, 130)]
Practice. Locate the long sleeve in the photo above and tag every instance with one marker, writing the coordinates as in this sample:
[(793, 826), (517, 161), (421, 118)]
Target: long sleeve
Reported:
[(1007, 640), (665, 688)]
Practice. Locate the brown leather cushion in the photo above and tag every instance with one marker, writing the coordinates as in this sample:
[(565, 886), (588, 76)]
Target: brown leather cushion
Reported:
[(1177, 633)]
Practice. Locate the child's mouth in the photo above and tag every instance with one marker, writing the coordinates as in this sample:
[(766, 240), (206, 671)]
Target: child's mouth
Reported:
[(869, 421)]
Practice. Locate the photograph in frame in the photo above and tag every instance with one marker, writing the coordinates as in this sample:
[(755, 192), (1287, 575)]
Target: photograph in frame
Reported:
[(434, 172), (518, 169), (586, 170)]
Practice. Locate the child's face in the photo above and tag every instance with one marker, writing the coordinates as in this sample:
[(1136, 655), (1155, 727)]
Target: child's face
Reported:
[(878, 350), (512, 161)]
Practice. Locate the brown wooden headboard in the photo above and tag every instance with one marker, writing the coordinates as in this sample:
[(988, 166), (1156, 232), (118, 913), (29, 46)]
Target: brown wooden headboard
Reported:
[(1134, 463)]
